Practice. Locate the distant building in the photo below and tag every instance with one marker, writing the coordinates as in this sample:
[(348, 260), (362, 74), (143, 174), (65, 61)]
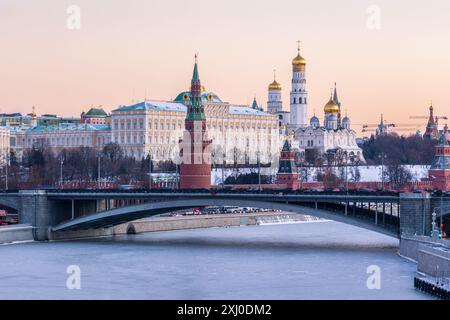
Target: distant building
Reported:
[(95, 116), (431, 132), (275, 106), (59, 137), (440, 170), (4, 145), (335, 135), (17, 120), (274, 101)]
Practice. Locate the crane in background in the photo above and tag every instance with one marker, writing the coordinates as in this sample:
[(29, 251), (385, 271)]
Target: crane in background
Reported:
[(432, 127), (384, 128)]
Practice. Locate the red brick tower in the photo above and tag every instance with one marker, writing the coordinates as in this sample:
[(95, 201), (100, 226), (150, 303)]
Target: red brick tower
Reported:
[(287, 172), (431, 132), (195, 147), (440, 170)]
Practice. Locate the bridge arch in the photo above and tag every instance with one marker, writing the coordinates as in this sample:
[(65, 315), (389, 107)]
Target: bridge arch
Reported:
[(10, 204), (126, 214)]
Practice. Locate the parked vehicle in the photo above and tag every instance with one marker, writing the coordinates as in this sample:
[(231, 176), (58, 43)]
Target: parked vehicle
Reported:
[(6, 219)]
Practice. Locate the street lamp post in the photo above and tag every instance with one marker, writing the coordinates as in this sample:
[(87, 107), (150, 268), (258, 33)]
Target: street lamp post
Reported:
[(149, 171), (98, 170), (259, 171), (6, 172), (433, 225), (442, 208), (223, 169), (382, 156), (346, 173), (177, 176), (61, 172), (300, 169)]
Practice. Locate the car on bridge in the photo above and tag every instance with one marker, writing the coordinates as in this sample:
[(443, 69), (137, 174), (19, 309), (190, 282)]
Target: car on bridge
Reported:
[(6, 219)]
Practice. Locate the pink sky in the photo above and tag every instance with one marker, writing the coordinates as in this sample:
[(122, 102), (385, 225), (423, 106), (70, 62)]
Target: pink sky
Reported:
[(125, 48)]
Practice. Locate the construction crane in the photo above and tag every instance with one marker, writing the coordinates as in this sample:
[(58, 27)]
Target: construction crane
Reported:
[(384, 127), (428, 117), (431, 115)]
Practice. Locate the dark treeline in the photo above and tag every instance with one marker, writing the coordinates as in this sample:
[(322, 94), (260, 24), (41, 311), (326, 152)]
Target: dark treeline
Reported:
[(412, 150), (248, 178), (41, 166)]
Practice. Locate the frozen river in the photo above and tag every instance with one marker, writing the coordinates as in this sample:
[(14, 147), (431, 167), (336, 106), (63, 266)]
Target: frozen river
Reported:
[(323, 260)]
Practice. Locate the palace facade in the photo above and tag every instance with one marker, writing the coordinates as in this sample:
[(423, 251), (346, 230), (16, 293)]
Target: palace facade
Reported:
[(239, 132)]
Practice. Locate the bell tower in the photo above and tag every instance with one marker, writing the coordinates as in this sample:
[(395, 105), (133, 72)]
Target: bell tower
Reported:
[(299, 95), (274, 102)]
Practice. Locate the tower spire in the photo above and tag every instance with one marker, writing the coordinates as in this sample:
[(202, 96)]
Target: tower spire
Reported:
[(195, 76), (195, 108), (335, 95)]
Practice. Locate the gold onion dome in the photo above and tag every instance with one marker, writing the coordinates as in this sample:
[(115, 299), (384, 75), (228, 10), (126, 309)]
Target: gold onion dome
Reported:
[(331, 107), (299, 60), (299, 63), (274, 85)]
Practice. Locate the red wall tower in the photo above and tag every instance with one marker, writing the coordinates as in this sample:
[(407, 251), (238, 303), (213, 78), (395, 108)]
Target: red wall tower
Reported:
[(440, 170), (195, 147), (431, 131), (287, 172)]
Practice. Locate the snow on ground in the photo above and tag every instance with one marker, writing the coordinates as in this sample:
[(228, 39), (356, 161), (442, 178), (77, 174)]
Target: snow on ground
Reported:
[(368, 173)]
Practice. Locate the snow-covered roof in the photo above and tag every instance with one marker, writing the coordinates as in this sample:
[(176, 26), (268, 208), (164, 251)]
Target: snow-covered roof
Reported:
[(247, 111), (70, 127), (179, 107), (155, 105)]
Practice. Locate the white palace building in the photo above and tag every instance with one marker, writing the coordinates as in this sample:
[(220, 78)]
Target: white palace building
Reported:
[(239, 132)]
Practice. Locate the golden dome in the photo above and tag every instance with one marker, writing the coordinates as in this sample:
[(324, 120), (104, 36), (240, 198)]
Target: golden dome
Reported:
[(274, 85), (299, 63), (331, 107), (299, 60)]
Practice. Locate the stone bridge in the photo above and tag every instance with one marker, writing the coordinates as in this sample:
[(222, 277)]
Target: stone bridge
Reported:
[(51, 211)]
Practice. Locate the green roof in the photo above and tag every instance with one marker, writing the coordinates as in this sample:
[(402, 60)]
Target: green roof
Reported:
[(185, 96), (96, 112)]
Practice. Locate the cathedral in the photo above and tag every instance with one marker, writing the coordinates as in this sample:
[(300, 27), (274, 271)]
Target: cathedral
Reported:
[(334, 137)]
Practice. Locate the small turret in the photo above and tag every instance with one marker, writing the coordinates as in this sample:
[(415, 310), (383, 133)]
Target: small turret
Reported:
[(287, 175), (34, 119), (314, 122)]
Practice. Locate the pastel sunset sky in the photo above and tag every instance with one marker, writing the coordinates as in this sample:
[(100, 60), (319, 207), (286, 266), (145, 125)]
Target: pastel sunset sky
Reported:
[(126, 50)]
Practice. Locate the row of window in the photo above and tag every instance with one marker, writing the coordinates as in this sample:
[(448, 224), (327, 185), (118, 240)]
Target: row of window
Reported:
[(136, 124), (66, 141), (300, 100), (128, 124)]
